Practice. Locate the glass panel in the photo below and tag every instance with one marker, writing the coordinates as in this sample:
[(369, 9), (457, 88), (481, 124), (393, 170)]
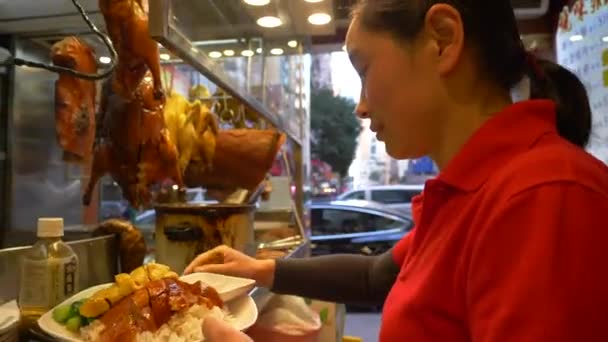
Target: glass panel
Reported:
[(223, 37)]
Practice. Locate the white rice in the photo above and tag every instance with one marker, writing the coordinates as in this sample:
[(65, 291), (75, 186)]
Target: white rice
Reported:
[(184, 326)]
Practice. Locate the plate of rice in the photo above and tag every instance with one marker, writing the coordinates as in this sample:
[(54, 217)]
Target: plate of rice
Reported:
[(183, 325)]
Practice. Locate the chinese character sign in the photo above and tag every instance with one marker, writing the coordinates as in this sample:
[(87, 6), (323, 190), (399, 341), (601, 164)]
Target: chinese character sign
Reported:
[(582, 47)]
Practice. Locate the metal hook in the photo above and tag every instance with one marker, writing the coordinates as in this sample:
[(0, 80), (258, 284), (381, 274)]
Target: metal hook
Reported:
[(58, 69)]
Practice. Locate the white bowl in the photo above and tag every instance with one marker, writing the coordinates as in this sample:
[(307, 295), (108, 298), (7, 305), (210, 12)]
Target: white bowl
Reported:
[(229, 288)]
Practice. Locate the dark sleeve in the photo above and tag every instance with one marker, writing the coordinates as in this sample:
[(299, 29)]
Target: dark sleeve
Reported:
[(342, 278)]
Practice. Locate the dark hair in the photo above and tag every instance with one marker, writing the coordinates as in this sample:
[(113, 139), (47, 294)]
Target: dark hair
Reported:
[(490, 26)]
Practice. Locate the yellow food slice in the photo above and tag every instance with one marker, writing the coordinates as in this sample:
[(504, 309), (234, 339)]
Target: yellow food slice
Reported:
[(140, 276), (125, 284), (157, 271), (94, 307)]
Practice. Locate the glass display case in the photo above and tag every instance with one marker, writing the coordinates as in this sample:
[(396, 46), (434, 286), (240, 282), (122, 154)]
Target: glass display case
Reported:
[(222, 41), (219, 45)]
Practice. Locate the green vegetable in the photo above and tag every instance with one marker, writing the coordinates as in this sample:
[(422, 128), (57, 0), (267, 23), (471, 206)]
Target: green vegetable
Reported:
[(324, 315), (76, 306), (62, 313), (88, 320), (73, 324)]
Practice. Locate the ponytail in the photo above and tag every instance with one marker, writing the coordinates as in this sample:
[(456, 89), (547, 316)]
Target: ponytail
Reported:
[(551, 81)]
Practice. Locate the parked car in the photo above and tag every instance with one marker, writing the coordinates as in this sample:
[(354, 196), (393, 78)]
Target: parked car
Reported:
[(398, 197), (355, 226)]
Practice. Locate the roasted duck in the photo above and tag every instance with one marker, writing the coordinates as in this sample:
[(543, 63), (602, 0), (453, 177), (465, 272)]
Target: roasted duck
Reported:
[(74, 99), (127, 25), (148, 308), (137, 151), (257, 149), (132, 245)]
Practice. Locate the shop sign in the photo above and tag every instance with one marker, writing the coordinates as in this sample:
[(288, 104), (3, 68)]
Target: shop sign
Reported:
[(582, 47)]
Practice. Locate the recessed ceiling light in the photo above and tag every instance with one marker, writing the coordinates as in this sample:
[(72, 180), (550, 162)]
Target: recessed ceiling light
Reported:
[(270, 21), (257, 2), (215, 54), (258, 50), (292, 43), (165, 56), (229, 53), (313, 1), (576, 38), (276, 51), (247, 53), (319, 18), (105, 60)]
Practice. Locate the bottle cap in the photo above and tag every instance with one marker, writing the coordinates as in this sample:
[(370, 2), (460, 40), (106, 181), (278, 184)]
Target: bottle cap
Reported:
[(50, 227)]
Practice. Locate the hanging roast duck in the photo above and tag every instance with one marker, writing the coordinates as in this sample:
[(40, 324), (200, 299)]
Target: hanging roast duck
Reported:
[(74, 99)]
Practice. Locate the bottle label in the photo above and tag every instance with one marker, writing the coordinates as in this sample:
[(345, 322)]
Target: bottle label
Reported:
[(49, 282)]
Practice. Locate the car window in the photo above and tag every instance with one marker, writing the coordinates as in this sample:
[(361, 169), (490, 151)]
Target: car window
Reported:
[(356, 195), (394, 196), (339, 221)]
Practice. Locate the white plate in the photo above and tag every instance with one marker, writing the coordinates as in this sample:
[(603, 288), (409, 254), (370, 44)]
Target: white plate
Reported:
[(243, 309), (228, 287), (9, 316)]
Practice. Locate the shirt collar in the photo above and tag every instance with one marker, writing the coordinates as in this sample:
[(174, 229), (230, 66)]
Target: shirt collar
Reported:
[(507, 134)]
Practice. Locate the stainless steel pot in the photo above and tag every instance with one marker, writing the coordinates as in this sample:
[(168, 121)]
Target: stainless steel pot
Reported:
[(185, 230)]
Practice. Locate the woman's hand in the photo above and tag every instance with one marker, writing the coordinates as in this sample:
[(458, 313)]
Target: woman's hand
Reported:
[(234, 264), (216, 330)]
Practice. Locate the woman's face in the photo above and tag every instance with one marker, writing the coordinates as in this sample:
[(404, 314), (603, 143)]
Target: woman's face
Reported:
[(400, 88)]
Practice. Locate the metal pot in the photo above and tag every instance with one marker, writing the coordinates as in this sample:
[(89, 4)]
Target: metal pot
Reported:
[(185, 230)]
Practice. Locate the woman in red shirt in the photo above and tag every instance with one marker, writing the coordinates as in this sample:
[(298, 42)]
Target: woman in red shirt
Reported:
[(511, 238)]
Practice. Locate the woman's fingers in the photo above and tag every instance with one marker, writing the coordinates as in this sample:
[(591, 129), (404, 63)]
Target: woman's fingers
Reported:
[(225, 269), (216, 330), (210, 257)]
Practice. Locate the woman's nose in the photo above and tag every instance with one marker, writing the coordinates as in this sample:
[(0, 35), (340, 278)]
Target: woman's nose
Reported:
[(361, 110)]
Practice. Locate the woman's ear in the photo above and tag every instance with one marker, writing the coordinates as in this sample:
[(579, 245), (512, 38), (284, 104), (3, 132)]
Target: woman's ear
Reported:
[(444, 26)]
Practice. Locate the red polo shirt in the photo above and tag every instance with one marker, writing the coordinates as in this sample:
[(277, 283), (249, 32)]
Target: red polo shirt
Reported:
[(511, 241)]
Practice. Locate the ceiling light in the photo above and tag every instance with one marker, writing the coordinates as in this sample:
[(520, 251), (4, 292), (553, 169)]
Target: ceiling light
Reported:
[(229, 53), (259, 50), (292, 43), (165, 56), (105, 60), (257, 2), (270, 22), (319, 18), (215, 42), (313, 1), (247, 53), (576, 38), (276, 51), (215, 54)]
